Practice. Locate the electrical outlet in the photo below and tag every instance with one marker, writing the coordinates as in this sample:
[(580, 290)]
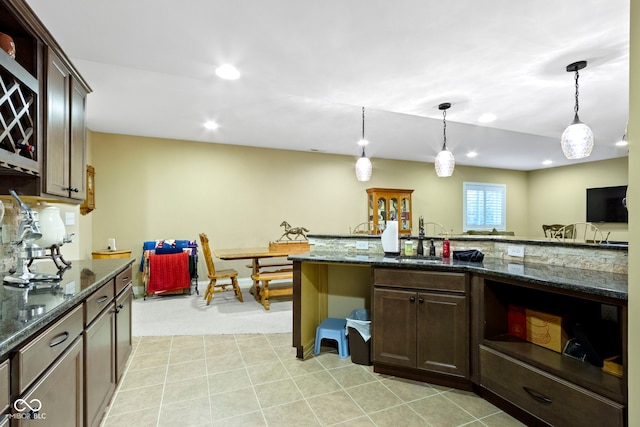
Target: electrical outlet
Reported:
[(362, 245), (516, 250)]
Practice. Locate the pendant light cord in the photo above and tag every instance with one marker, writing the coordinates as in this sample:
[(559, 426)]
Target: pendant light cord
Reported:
[(577, 106), (363, 131), (444, 129)]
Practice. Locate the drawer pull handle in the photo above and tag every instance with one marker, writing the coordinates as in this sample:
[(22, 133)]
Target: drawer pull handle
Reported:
[(412, 299), (60, 340), (125, 279), (537, 395), (102, 299)]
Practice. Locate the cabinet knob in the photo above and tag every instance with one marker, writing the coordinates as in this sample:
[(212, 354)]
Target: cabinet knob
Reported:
[(72, 189), (412, 299), (420, 300)]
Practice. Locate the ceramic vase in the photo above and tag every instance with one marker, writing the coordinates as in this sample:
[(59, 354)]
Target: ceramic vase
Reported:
[(7, 44), (51, 227)]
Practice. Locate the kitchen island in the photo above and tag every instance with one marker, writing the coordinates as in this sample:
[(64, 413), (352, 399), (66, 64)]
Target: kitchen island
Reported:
[(446, 322)]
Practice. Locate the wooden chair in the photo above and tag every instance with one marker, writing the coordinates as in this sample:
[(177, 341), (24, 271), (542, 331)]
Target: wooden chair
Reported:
[(552, 229), (214, 275), (436, 228), (582, 232)]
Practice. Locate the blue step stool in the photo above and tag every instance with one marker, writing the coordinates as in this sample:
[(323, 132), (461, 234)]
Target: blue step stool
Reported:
[(333, 329)]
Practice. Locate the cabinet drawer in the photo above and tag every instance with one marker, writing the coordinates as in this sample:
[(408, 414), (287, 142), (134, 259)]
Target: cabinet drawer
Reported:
[(549, 398), (416, 279), (31, 360), (4, 386), (97, 302), (123, 279)]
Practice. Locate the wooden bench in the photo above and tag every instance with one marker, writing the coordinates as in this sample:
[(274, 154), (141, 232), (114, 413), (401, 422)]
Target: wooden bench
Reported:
[(271, 264), (262, 291)]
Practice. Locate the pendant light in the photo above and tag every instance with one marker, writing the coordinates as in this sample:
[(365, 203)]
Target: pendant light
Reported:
[(363, 165), (577, 139), (445, 163)]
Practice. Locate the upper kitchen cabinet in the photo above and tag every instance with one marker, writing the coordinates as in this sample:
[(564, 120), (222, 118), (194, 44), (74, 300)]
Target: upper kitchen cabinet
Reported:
[(20, 135), (65, 132), (42, 112)]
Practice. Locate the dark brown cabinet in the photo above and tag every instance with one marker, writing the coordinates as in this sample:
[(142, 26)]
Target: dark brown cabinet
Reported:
[(43, 103), (51, 362), (65, 132), (123, 329), (100, 378), (421, 322), (60, 391)]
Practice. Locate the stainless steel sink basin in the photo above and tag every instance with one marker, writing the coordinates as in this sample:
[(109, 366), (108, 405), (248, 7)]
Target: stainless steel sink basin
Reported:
[(419, 258)]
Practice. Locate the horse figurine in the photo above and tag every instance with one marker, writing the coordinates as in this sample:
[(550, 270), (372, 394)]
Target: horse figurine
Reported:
[(296, 231)]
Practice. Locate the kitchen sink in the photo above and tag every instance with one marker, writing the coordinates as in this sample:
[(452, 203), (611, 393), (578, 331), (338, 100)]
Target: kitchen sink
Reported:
[(420, 258)]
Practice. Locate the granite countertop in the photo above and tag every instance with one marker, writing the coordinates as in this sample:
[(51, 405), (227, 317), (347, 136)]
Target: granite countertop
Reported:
[(592, 282), (77, 283)]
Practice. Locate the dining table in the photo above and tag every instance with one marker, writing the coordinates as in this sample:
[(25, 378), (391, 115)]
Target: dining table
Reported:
[(255, 254)]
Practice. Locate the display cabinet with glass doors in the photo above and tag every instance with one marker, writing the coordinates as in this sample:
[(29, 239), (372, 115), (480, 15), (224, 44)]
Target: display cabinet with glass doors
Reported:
[(389, 204)]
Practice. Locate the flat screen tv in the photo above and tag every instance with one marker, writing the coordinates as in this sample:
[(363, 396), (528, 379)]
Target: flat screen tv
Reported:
[(607, 204)]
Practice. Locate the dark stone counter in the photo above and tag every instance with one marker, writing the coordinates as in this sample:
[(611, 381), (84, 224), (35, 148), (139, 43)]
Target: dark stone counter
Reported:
[(77, 283), (593, 282)]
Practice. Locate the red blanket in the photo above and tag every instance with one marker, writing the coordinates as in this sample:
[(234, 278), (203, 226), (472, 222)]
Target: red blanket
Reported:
[(168, 272)]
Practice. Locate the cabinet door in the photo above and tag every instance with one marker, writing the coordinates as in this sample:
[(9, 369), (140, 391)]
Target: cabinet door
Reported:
[(59, 392), (57, 127), (443, 333), (77, 161), (394, 327), (123, 330), (100, 379)]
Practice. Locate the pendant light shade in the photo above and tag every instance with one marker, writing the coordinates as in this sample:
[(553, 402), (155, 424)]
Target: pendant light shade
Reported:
[(363, 165), (577, 139), (363, 168), (445, 162)]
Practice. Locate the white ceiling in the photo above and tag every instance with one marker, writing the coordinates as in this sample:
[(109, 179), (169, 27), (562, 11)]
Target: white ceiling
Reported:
[(308, 67)]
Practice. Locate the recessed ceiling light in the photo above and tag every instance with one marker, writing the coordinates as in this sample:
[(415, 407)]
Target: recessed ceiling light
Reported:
[(211, 125), (472, 154), (487, 118), (228, 72), (547, 162)]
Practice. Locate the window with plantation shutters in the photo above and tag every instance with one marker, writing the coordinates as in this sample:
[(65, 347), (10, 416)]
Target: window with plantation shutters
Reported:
[(484, 206)]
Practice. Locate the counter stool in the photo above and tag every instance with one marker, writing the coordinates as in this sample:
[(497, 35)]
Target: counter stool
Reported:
[(333, 329)]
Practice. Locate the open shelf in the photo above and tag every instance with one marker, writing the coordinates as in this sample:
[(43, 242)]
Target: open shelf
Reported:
[(591, 317), (575, 371)]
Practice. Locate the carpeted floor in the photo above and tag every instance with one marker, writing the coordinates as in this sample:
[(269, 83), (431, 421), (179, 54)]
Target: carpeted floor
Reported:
[(190, 315)]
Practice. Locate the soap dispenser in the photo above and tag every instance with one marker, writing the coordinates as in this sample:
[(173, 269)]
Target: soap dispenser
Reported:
[(432, 249)]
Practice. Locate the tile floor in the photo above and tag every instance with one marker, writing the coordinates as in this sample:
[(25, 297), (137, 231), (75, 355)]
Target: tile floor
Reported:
[(255, 380)]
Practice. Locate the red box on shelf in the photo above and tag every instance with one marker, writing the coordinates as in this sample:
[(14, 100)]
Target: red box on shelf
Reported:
[(517, 321)]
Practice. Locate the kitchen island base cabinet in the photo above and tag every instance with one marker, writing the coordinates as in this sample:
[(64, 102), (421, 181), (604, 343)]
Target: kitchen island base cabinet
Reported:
[(60, 391), (421, 323), (554, 388)]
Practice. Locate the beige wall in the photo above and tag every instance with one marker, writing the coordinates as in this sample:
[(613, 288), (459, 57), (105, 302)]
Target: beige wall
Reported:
[(558, 196), (149, 188)]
